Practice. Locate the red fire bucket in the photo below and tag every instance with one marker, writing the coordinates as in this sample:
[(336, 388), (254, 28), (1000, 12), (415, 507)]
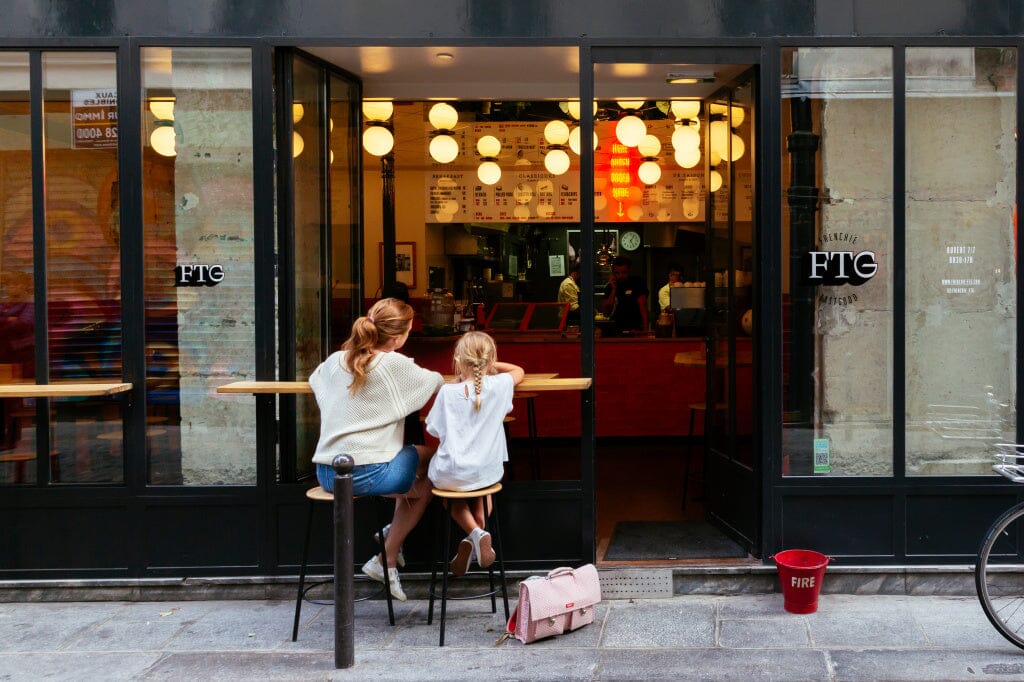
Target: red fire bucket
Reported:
[(800, 573)]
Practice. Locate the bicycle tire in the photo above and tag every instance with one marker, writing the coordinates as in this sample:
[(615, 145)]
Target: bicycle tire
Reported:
[(1000, 580)]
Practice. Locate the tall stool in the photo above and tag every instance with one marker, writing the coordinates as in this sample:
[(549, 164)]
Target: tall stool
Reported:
[(318, 494), (531, 425), (443, 550), (694, 408)]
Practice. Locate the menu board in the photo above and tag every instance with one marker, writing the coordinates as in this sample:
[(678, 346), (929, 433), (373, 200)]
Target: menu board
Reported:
[(527, 192)]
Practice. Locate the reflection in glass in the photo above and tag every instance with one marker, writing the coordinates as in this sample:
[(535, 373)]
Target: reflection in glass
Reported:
[(837, 338), (198, 213), (17, 309), (83, 260), (961, 271)]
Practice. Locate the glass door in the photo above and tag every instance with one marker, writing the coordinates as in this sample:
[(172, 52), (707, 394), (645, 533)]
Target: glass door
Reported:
[(731, 479), (318, 237), (673, 183)]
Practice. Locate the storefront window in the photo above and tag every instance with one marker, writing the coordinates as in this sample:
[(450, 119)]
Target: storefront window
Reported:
[(199, 282), (17, 309), (837, 269), (83, 260), (960, 263)]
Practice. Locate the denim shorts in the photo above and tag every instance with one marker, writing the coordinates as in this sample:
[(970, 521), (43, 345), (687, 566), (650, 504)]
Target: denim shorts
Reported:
[(387, 478)]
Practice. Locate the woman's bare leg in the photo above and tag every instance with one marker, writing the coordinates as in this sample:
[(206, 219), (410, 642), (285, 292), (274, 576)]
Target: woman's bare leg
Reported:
[(410, 507)]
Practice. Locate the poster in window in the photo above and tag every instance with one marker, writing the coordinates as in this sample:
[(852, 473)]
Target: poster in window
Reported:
[(405, 263)]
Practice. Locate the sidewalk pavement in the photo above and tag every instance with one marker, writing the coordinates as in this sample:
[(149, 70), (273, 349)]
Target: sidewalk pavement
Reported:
[(744, 637)]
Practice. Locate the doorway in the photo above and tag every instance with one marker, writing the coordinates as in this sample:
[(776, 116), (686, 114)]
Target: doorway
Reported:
[(683, 488)]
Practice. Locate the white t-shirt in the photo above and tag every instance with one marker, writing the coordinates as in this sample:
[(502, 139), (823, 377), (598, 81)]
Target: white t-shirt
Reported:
[(473, 446)]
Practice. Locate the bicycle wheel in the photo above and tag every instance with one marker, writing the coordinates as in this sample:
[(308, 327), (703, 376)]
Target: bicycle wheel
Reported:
[(999, 575)]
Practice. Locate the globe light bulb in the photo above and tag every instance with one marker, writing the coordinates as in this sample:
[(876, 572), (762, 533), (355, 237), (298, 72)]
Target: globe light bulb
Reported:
[(649, 146), (444, 148), (556, 132), (378, 140), (649, 172), (685, 137), (687, 157), (377, 111), (630, 130), (738, 147), (720, 137), (489, 146), (556, 161), (162, 140), (298, 111), (716, 181), (630, 104), (443, 116), (163, 109), (574, 141), (489, 172), (737, 116), (297, 144), (685, 108)]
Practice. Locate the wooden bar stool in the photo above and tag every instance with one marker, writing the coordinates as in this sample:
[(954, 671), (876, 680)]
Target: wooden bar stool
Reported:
[(442, 550), (694, 408), (319, 495)]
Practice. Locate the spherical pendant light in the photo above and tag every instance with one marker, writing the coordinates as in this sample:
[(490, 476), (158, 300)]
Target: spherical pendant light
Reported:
[(163, 140), (556, 132), (443, 116), (687, 157), (630, 130), (649, 172), (444, 148), (685, 108), (377, 111), (685, 137), (736, 116), (556, 161), (716, 181), (649, 146), (378, 140), (489, 146), (738, 147), (298, 111), (163, 109), (489, 172), (574, 141), (630, 104), (297, 144), (720, 137)]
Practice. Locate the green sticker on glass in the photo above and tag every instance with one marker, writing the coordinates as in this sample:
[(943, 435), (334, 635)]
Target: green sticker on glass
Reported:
[(822, 465)]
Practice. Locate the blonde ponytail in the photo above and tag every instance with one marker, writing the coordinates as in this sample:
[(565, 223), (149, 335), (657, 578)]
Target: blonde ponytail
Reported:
[(387, 319), (477, 353)]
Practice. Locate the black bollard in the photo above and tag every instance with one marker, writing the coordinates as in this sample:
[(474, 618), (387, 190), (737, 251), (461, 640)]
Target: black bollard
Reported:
[(344, 607)]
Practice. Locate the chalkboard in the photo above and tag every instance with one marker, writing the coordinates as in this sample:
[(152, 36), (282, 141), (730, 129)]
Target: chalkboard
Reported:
[(507, 316), (547, 317)]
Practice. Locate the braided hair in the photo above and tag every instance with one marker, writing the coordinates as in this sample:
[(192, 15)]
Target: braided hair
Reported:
[(387, 319), (475, 354)]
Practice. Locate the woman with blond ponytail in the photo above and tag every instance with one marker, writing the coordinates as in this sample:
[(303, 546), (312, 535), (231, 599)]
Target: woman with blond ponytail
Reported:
[(467, 418), (364, 392)]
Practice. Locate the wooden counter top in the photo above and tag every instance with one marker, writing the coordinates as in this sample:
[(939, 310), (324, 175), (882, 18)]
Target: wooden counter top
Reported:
[(532, 383), (63, 389)]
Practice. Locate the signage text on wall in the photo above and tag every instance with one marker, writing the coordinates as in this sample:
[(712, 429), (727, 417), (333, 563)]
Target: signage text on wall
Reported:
[(198, 275), (93, 119)]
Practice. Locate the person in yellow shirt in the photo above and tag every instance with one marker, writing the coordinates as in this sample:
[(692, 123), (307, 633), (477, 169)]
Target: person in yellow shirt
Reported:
[(569, 291)]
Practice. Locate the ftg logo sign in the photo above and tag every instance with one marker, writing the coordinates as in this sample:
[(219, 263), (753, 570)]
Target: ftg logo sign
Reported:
[(842, 266), (832, 268)]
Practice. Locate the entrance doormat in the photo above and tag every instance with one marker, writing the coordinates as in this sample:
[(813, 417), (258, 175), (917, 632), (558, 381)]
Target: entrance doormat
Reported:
[(647, 540)]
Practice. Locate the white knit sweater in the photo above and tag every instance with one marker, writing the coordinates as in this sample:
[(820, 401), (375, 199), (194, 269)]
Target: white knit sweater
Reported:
[(369, 425)]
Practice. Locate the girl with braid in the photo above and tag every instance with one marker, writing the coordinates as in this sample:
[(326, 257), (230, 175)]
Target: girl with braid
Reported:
[(467, 418)]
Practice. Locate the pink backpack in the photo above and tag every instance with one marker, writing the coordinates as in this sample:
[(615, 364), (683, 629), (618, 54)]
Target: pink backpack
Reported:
[(561, 601)]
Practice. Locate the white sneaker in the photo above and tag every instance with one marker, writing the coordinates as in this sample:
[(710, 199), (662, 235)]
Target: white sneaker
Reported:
[(400, 559), (373, 569)]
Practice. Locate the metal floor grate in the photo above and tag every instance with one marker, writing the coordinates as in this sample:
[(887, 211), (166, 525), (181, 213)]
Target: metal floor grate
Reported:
[(626, 583)]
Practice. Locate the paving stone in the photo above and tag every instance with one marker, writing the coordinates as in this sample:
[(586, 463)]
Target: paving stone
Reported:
[(75, 666), (910, 666), (850, 621), (661, 623), (720, 665), (50, 626), (240, 626), (763, 633)]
